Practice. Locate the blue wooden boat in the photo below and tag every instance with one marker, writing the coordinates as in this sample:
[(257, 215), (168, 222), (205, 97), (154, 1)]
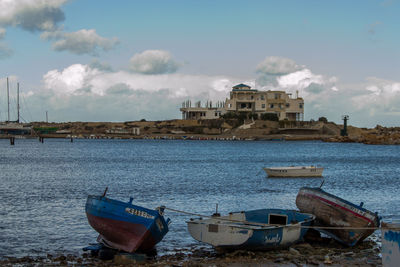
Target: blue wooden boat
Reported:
[(260, 229), (124, 226)]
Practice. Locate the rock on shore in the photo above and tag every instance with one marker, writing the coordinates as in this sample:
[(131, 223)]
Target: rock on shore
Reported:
[(325, 252)]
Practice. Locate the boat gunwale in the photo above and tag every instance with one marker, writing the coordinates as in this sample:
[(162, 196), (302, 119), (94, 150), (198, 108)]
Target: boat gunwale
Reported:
[(127, 217), (250, 226), (224, 220), (319, 190), (123, 204), (310, 167)]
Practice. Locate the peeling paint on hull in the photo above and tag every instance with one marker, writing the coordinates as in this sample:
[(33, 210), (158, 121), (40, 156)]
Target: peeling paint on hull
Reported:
[(333, 211)]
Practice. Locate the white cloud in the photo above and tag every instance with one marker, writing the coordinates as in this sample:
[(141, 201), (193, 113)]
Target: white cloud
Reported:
[(304, 80), (76, 77), (31, 15), (367, 104), (278, 73), (153, 62), (70, 80), (103, 66), (80, 42), (381, 95), (45, 16), (84, 92), (277, 66)]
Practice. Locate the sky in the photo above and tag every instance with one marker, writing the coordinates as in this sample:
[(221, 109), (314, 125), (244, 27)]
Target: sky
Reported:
[(85, 60)]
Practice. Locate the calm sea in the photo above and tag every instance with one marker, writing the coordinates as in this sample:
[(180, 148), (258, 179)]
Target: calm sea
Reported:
[(43, 186)]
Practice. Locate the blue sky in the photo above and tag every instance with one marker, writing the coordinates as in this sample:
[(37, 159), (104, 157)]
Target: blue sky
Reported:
[(127, 60)]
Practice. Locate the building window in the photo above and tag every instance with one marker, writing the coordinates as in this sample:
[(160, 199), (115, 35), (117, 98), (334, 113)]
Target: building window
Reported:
[(243, 105), (287, 105), (251, 97), (300, 105), (262, 105), (271, 105), (277, 96), (262, 97)]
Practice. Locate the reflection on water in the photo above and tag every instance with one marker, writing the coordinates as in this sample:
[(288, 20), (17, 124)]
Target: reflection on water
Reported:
[(43, 187)]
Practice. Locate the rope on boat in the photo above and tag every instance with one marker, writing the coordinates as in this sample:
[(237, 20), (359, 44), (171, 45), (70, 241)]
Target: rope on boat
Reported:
[(278, 225)]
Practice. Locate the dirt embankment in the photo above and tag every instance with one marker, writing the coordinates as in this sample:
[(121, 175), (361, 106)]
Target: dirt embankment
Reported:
[(221, 129)]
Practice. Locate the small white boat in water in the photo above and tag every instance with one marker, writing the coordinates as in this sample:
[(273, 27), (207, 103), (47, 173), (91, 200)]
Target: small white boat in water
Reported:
[(294, 171)]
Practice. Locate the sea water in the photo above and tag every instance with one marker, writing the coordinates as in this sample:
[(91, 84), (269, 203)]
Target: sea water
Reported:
[(44, 186)]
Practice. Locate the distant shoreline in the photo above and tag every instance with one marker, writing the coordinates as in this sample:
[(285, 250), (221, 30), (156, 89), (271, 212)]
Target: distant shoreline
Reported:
[(217, 129)]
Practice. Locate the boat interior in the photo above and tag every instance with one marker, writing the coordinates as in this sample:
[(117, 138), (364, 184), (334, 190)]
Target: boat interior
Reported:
[(257, 219)]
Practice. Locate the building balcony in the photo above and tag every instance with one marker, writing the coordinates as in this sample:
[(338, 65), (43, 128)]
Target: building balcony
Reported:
[(245, 109)]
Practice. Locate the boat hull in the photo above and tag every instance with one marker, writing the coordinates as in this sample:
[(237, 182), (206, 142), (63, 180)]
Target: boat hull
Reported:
[(332, 211), (124, 226), (390, 244), (242, 234), (306, 171)]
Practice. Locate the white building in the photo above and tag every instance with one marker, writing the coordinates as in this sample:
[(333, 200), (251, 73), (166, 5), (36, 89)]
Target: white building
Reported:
[(244, 99), (199, 112)]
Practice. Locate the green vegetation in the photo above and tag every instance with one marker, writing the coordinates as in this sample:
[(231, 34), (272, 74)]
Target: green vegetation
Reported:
[(269, 117), (323, 119), (45, 130), (253, 116)]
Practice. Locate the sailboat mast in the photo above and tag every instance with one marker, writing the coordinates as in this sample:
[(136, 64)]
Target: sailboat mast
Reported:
[(8, 102), (18, 102)]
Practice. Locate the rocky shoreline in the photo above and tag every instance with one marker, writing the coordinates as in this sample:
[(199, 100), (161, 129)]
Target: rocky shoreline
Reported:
[(218, 129), (317, 252)]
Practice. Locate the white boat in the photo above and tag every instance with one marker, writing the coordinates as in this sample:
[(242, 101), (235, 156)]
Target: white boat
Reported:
[(261, 229), (294, 171)]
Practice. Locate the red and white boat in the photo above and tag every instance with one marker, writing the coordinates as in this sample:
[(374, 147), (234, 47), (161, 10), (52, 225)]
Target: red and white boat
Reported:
[(333, 211)]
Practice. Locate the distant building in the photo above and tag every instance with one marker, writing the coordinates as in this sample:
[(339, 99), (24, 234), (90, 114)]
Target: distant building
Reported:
[(131, 131), (201, 113), (245, 99)]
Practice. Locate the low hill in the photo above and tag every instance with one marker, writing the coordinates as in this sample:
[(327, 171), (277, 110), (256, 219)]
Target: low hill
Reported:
[(220, 129)]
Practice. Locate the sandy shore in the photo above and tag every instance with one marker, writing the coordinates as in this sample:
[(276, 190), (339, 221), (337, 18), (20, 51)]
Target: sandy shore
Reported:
[(324, 252)]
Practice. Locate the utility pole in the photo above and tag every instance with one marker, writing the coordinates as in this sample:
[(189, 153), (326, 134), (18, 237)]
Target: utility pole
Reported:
[(47, 117), (18, 102)]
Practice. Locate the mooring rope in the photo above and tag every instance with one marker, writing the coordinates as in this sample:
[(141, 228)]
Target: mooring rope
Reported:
[(278, 225)]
